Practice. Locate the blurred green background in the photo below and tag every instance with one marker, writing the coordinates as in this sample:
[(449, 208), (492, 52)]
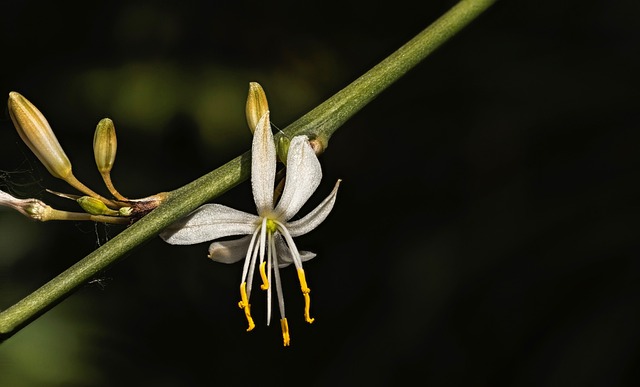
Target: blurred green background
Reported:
[(486, 229)]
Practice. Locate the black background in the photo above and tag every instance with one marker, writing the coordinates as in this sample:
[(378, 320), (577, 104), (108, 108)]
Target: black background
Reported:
[(485, 233)]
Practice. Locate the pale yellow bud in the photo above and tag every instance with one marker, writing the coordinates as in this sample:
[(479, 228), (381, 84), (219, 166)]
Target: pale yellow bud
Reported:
[(257, 105), (105, 145), (35, 131)]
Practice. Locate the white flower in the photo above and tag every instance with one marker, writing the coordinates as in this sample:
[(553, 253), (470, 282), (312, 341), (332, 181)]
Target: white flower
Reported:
[(269, 235)]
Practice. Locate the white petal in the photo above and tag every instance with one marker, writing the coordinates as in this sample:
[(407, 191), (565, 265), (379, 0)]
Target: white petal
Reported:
[(263, 165), (284, 254), (303, 177), (209, 222), (230, 251), (315, 217)]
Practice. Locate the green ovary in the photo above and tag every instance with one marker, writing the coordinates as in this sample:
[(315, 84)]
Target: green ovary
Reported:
[(271, 226)]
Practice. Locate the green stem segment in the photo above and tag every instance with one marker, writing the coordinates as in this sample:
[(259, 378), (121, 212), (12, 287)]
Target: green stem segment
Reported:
[(321, 122), (331, 114)]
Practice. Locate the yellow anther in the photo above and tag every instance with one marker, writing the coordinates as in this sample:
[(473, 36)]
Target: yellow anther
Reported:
[(244, 304), (263, 274), (303, 281), (307, 306), (305, 293), (285, 331)]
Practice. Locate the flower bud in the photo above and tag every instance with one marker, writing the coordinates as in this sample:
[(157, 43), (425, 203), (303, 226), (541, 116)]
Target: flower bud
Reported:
[(35, 131), (282, 148), (257, 105), (105, 145), (95, 206), (125, 211)]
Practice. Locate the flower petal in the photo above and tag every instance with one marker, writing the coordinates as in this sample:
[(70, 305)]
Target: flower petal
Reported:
[(303, 177), (209, 222), (230, 251), (315, 217), (284, 253), (263, 165)]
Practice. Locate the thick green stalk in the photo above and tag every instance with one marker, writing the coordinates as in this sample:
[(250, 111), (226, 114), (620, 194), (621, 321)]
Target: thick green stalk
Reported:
[(320, 122), (331, 114)]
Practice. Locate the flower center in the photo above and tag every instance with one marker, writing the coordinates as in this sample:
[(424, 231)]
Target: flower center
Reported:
[(271, 226)]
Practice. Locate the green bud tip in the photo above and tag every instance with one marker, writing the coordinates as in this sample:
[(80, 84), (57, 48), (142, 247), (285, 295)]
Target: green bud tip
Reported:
[(125, 211), (282, 148)]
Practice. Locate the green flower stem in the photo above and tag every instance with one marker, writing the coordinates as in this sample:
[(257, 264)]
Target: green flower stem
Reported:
[(321, 122), (331, 114)]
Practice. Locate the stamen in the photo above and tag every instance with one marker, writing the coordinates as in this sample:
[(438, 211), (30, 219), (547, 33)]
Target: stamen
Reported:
[(276, 276), (263, 274), (285, 331), (305, 293), (247, 259), (271, 257), (244, 304)]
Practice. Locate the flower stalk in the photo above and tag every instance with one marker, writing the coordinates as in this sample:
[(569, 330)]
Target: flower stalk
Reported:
[(321, 122)]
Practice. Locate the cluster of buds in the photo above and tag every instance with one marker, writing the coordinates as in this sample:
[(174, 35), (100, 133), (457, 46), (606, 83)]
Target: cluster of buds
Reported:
[(36, 132)]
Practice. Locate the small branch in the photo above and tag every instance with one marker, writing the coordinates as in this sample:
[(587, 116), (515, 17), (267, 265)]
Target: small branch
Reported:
[(321, 122)]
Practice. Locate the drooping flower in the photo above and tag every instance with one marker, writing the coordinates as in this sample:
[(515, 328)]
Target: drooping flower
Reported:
[(268, 241), (32, 208)]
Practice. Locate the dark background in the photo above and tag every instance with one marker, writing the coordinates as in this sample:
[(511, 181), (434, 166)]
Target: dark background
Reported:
[(485, 233)]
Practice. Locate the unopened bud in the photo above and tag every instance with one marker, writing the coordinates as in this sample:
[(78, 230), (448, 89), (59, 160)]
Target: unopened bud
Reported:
[(95, 206), (105, 145), (35, 131), (257, 105)]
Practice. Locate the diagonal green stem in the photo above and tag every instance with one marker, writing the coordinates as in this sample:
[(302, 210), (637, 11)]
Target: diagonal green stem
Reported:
[(331, 114), (321, 122)]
